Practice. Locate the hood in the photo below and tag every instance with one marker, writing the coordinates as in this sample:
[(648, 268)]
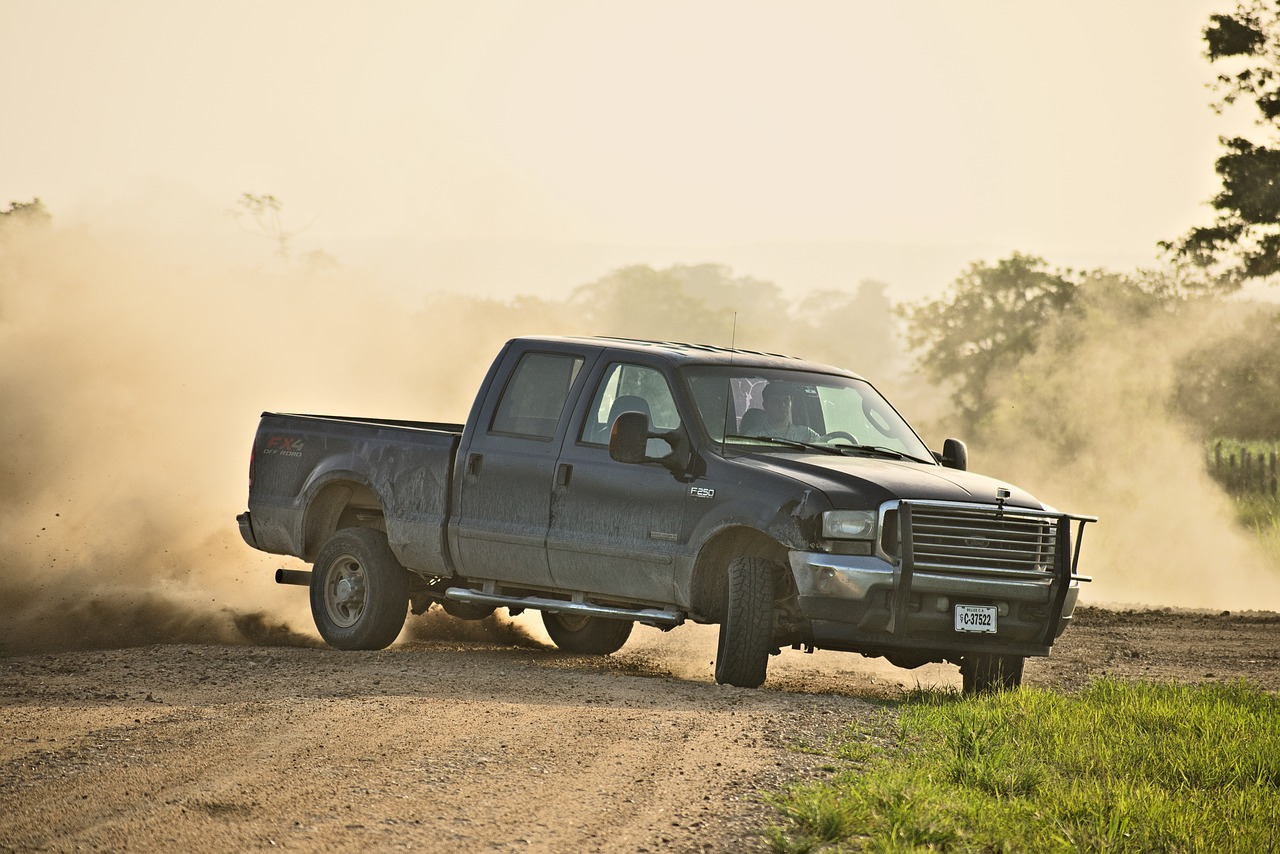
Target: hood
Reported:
[(867, 481)]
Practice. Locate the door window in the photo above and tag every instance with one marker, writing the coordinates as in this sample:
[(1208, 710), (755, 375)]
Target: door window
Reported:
[(631, 388)]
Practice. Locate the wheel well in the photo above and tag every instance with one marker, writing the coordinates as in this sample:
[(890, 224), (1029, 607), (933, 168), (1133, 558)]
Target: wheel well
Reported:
[(711, 569), (341, 504)]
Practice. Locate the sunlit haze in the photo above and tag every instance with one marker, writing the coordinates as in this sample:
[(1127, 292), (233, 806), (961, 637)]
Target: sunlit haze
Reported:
[(466, 168), (505, 148)]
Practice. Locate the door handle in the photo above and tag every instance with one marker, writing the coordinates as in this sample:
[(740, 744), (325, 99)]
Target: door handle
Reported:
[(473, 464), (564, 471)]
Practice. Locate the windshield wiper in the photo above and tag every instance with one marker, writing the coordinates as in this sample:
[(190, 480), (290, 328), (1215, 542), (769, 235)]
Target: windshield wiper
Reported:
[(789, 443), (884, 452)]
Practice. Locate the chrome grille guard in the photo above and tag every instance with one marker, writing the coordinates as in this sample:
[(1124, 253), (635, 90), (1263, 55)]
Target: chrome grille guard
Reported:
[(985, 540)]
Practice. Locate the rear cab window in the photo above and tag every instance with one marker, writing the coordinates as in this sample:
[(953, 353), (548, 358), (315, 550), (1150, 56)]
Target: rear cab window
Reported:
[(535, 395)]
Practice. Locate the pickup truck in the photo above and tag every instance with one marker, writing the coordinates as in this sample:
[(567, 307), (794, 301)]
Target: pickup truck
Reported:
[(608, 482)]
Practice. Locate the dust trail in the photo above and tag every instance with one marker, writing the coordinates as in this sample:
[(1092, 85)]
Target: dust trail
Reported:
[(436, 625), (1086, 424), (131, 375)]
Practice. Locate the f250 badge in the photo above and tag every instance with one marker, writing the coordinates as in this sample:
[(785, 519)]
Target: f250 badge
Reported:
[(702, 492), (283, 446)]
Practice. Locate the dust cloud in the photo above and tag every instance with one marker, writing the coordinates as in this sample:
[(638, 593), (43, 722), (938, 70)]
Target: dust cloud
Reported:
[(497, 628), (1086, 424), (132, 373)]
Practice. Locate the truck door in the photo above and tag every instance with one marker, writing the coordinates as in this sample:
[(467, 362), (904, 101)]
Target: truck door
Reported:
[(505, 474), (616, 528)]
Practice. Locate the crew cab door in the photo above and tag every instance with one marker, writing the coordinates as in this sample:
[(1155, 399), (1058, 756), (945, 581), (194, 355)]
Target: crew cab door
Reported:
[(505, 475), (616, 528)]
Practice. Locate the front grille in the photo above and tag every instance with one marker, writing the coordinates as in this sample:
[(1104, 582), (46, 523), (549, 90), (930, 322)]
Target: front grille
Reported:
[(977, 540)]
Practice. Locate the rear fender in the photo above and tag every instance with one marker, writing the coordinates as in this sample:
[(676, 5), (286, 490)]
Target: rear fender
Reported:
[(332, 498)]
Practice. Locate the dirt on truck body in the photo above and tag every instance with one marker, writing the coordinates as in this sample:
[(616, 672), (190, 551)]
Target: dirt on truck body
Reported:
[(607, 483)]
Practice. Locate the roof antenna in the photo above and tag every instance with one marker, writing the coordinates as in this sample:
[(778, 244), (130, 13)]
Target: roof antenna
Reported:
[(728, 385)]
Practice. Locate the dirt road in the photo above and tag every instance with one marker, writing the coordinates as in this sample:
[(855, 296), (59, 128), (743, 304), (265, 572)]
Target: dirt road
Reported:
[(466, 741)]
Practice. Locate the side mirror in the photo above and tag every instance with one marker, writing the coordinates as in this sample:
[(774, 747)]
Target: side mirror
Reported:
[(629, 437), (955, 455), (629, 443)]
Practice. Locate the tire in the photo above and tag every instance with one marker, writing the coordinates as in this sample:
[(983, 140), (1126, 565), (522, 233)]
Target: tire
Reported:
[(986, 674), (586, 635), (746, 635), (359, 591)]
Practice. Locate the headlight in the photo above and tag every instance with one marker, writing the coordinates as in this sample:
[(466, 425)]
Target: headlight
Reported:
[(849, 524)]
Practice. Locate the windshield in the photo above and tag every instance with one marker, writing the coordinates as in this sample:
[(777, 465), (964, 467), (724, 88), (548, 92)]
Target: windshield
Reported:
[(747, 406)]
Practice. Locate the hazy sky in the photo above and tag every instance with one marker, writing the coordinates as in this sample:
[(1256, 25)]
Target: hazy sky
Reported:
[(523, 146)]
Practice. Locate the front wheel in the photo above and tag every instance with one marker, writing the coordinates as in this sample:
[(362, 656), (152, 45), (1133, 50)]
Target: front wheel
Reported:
[(746, 635), (988, 673), (359, 591), (586, 635)]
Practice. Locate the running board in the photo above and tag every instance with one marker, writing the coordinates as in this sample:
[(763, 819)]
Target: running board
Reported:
[(648, 616)]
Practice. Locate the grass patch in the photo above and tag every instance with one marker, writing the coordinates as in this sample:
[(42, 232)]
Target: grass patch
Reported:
[(1120, 766), (1257, 509)]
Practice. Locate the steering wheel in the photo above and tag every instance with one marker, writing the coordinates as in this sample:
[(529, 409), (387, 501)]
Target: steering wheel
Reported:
[(838, 434)]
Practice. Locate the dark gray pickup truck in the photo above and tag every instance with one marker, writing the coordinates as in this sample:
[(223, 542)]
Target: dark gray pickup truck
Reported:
[(607, 482)]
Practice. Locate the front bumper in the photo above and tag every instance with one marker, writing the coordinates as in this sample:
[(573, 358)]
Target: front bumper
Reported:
[(851, 603)]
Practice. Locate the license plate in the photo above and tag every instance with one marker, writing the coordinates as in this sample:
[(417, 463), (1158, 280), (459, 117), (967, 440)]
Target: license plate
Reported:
[(976, 618)]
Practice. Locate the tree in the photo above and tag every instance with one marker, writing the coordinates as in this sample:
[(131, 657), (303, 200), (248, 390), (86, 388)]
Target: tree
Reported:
[(680, 303), (1230, 385), (32, 211), (1244, 240), (854, 329), (986, 323), (261, 215)]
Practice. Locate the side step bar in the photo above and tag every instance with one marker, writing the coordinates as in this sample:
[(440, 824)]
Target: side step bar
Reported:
[(648, 616)]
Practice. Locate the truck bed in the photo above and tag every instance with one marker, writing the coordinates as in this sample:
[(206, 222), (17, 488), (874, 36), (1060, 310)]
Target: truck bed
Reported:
[(395, 476)]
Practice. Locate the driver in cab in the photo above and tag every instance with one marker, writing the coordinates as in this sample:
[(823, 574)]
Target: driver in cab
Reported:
[(777, 421)]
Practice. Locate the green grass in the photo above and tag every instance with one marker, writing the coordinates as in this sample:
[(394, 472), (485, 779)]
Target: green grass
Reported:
[(1260, 516), (1258, 512), (1120, 766)]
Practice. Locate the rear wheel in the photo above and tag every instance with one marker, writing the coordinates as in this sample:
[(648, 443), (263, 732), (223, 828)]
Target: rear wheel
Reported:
[(359, 591), (986, 673), (746, 635), (586, 635)]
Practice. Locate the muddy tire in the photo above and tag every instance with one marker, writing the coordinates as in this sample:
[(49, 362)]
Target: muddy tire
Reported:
[(746, 635), (986, 674), (586, 635), (359, 591)]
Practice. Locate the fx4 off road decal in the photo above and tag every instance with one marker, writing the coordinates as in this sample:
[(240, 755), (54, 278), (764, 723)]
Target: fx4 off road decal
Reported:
[(283, 446)]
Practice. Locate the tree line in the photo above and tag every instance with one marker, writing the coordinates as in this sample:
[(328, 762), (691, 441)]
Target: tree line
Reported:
[(979, 337)]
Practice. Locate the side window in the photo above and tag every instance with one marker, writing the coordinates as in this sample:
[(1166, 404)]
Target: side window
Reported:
[(535, 395), (631, 388)]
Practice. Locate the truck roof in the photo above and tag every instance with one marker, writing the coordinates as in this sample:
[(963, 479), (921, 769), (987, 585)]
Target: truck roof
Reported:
[(681, 353)]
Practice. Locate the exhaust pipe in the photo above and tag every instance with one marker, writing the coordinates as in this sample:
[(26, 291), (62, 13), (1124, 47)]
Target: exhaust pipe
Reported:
[(300, 577)]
